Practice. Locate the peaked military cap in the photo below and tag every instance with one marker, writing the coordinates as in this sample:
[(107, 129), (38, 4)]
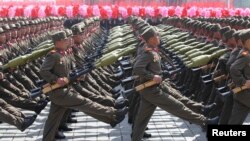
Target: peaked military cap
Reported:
[(224, 29), (58, 36), (68, 32), (6, 27), (1, 30), (147, 34), (229, 34), (76, 29), (12, 26), (245, 35)]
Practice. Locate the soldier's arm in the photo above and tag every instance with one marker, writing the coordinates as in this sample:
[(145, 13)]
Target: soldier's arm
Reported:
[(47, 66), (237, 68), (141, 65)]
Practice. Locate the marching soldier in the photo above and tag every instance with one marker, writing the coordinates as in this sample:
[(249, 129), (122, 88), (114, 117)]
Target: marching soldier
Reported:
[(55, 69), (104, 100), (14, 117), (240, 73), (148, 67)]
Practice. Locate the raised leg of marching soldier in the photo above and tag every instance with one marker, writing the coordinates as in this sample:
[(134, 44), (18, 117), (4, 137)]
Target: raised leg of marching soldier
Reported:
[(28, 84), (16, 83), (107, 74), (14, 117), (92, 82), (73, 100), (11, 109), (9, 86), (35, 69), (93, 88), (103, 100), (94, 97), (20, 102), (101, 83), (109, 81), (195, 106), (166, 102), (31, 74)]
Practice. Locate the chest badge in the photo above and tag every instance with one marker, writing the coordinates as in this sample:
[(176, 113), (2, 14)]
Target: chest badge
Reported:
[(61, 60), (156, 57)]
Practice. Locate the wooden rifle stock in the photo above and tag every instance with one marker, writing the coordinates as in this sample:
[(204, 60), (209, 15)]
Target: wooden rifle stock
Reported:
[(145, 85)]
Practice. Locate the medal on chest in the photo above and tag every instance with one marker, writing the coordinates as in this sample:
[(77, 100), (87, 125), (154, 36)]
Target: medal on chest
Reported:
[(156, 56)]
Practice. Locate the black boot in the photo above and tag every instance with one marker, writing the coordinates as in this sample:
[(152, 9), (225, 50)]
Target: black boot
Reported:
[(71, 120), (27, 122), (121, 104), (64, 128), (60, 135), (208, 108), (40, 107), (115, 96), (210, 121), (213, 121), (120, 115), (146, 135)]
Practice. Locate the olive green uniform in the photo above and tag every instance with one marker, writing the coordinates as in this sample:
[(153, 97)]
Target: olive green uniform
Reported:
[(146, 66), (55, 66), (240, 72), (10, 114)]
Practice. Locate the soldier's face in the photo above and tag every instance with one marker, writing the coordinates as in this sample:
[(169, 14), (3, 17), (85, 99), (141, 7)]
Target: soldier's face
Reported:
[(247, 44), (2, 38), (32, 29), (78, 39), (27, 30), (231, 42), (7, 35), (154, 41), (63, 44), (239, 43), (14, 34), (216, 36), (18, 34)]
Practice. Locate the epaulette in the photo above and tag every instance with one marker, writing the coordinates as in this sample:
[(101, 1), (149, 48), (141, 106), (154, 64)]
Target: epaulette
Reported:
[(147, 49), (245, 53), (52, 51)]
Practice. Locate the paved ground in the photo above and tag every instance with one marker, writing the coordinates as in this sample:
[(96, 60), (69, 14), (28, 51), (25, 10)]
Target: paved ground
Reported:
[(163, 126)]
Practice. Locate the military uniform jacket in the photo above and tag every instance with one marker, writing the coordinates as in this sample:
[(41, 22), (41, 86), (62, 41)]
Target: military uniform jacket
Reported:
[(56, 65), (240, 72), (147, 65)]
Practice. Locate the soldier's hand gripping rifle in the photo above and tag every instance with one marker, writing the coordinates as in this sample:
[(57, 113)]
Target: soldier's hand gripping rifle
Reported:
[(239, 89), (107, 59), (139, 88)]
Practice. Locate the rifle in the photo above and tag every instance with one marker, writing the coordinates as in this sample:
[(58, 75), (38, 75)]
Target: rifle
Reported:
[(139, 88), (104, 61)]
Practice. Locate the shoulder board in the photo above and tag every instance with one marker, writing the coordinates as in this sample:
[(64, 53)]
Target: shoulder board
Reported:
[(147, 49), (244, 53), (52, 51)]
